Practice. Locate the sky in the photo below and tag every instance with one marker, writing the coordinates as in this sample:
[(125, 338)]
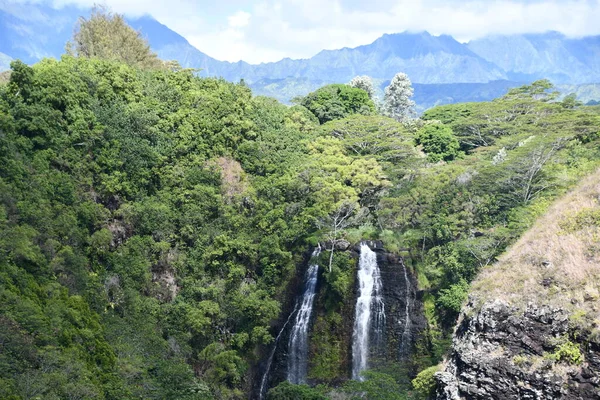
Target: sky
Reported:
[(269, 30)]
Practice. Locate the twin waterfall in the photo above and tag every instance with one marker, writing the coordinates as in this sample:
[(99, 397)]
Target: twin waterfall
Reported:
[(370, 311), (373, 332), (297, 362)]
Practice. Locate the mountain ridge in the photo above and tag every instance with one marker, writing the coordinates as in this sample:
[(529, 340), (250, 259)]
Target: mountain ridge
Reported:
[(551, 55), (36, 31)]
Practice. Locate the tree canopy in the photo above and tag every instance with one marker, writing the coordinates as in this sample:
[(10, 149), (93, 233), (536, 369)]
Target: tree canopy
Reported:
[(397, 101), (337, 101), (365, 83), (106, 35), (438, 142)]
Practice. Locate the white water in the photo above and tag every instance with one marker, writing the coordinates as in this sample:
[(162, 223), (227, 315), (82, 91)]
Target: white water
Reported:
[(369, 301), (404, 345), (263, 382), (298, 343)]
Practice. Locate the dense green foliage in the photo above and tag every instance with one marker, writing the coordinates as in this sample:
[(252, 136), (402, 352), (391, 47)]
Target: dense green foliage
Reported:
[(337, 101), (438, 142), (288, 391), (149, 226), (375, 386), (151, 221), (424, 383)]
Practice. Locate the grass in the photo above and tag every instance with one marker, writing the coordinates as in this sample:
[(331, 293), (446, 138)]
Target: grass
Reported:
[(556, 262)]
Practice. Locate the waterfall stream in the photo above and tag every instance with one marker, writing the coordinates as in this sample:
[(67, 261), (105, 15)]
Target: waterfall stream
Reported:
[(263, 383), (404, 344), (369, 302), (298, 344)]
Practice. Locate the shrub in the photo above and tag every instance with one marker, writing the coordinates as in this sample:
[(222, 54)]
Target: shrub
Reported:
[(376, 385), (424, 383), (568, 352), (438, 142), (289, 391), (452, 298)]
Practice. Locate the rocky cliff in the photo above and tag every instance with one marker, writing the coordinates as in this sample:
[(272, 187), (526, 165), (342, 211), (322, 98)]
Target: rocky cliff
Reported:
[(330, 347), (501, 352), (405, 320), (531, 327)]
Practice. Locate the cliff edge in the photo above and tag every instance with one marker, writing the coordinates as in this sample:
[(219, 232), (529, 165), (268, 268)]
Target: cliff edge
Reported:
[(531, 327)]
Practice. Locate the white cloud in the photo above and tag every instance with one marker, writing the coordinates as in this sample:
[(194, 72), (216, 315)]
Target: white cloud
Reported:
[(239, 20), (301, 28), (267, 30)]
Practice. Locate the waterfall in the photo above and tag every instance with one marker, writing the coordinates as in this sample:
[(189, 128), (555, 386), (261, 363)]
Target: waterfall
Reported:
[(265, 378), (369, 301), (298, 343), (404, 349)]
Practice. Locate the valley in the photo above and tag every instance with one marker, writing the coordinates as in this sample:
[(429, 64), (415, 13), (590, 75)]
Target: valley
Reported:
[(394, 232)]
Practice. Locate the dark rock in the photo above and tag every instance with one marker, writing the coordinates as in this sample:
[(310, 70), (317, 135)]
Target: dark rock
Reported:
[(342, 245), (448, 386), (401, 301), (113, 202), (546, 282), (375, 245), (339, 245), (493, 347)]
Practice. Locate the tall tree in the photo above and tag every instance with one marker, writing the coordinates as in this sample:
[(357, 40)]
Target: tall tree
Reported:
[(365, 83), (397, 101), (106, 35), (542, 90)]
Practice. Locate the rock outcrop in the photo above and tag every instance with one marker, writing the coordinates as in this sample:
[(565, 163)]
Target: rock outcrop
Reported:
[(502, 352), (531, 328)]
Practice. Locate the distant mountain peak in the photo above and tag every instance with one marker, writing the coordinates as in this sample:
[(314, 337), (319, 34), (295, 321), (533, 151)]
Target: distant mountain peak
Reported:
[(413, 44), (550, 55), (426, 58)]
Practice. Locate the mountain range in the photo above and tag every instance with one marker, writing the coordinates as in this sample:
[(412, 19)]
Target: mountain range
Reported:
[(474, 70)]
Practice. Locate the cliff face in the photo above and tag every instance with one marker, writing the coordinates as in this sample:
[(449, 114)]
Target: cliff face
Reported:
[(500, 352), (531, 328), (331, 325), (405, 319)]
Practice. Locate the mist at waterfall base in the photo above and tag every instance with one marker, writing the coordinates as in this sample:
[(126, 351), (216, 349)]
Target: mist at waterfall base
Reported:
[(370, 311), (298, 343)]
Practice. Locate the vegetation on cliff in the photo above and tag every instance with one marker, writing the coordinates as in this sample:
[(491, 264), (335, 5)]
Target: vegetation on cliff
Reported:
[(530, 326)]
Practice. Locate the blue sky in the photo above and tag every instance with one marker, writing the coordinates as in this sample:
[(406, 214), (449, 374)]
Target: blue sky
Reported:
[(268, 30)]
